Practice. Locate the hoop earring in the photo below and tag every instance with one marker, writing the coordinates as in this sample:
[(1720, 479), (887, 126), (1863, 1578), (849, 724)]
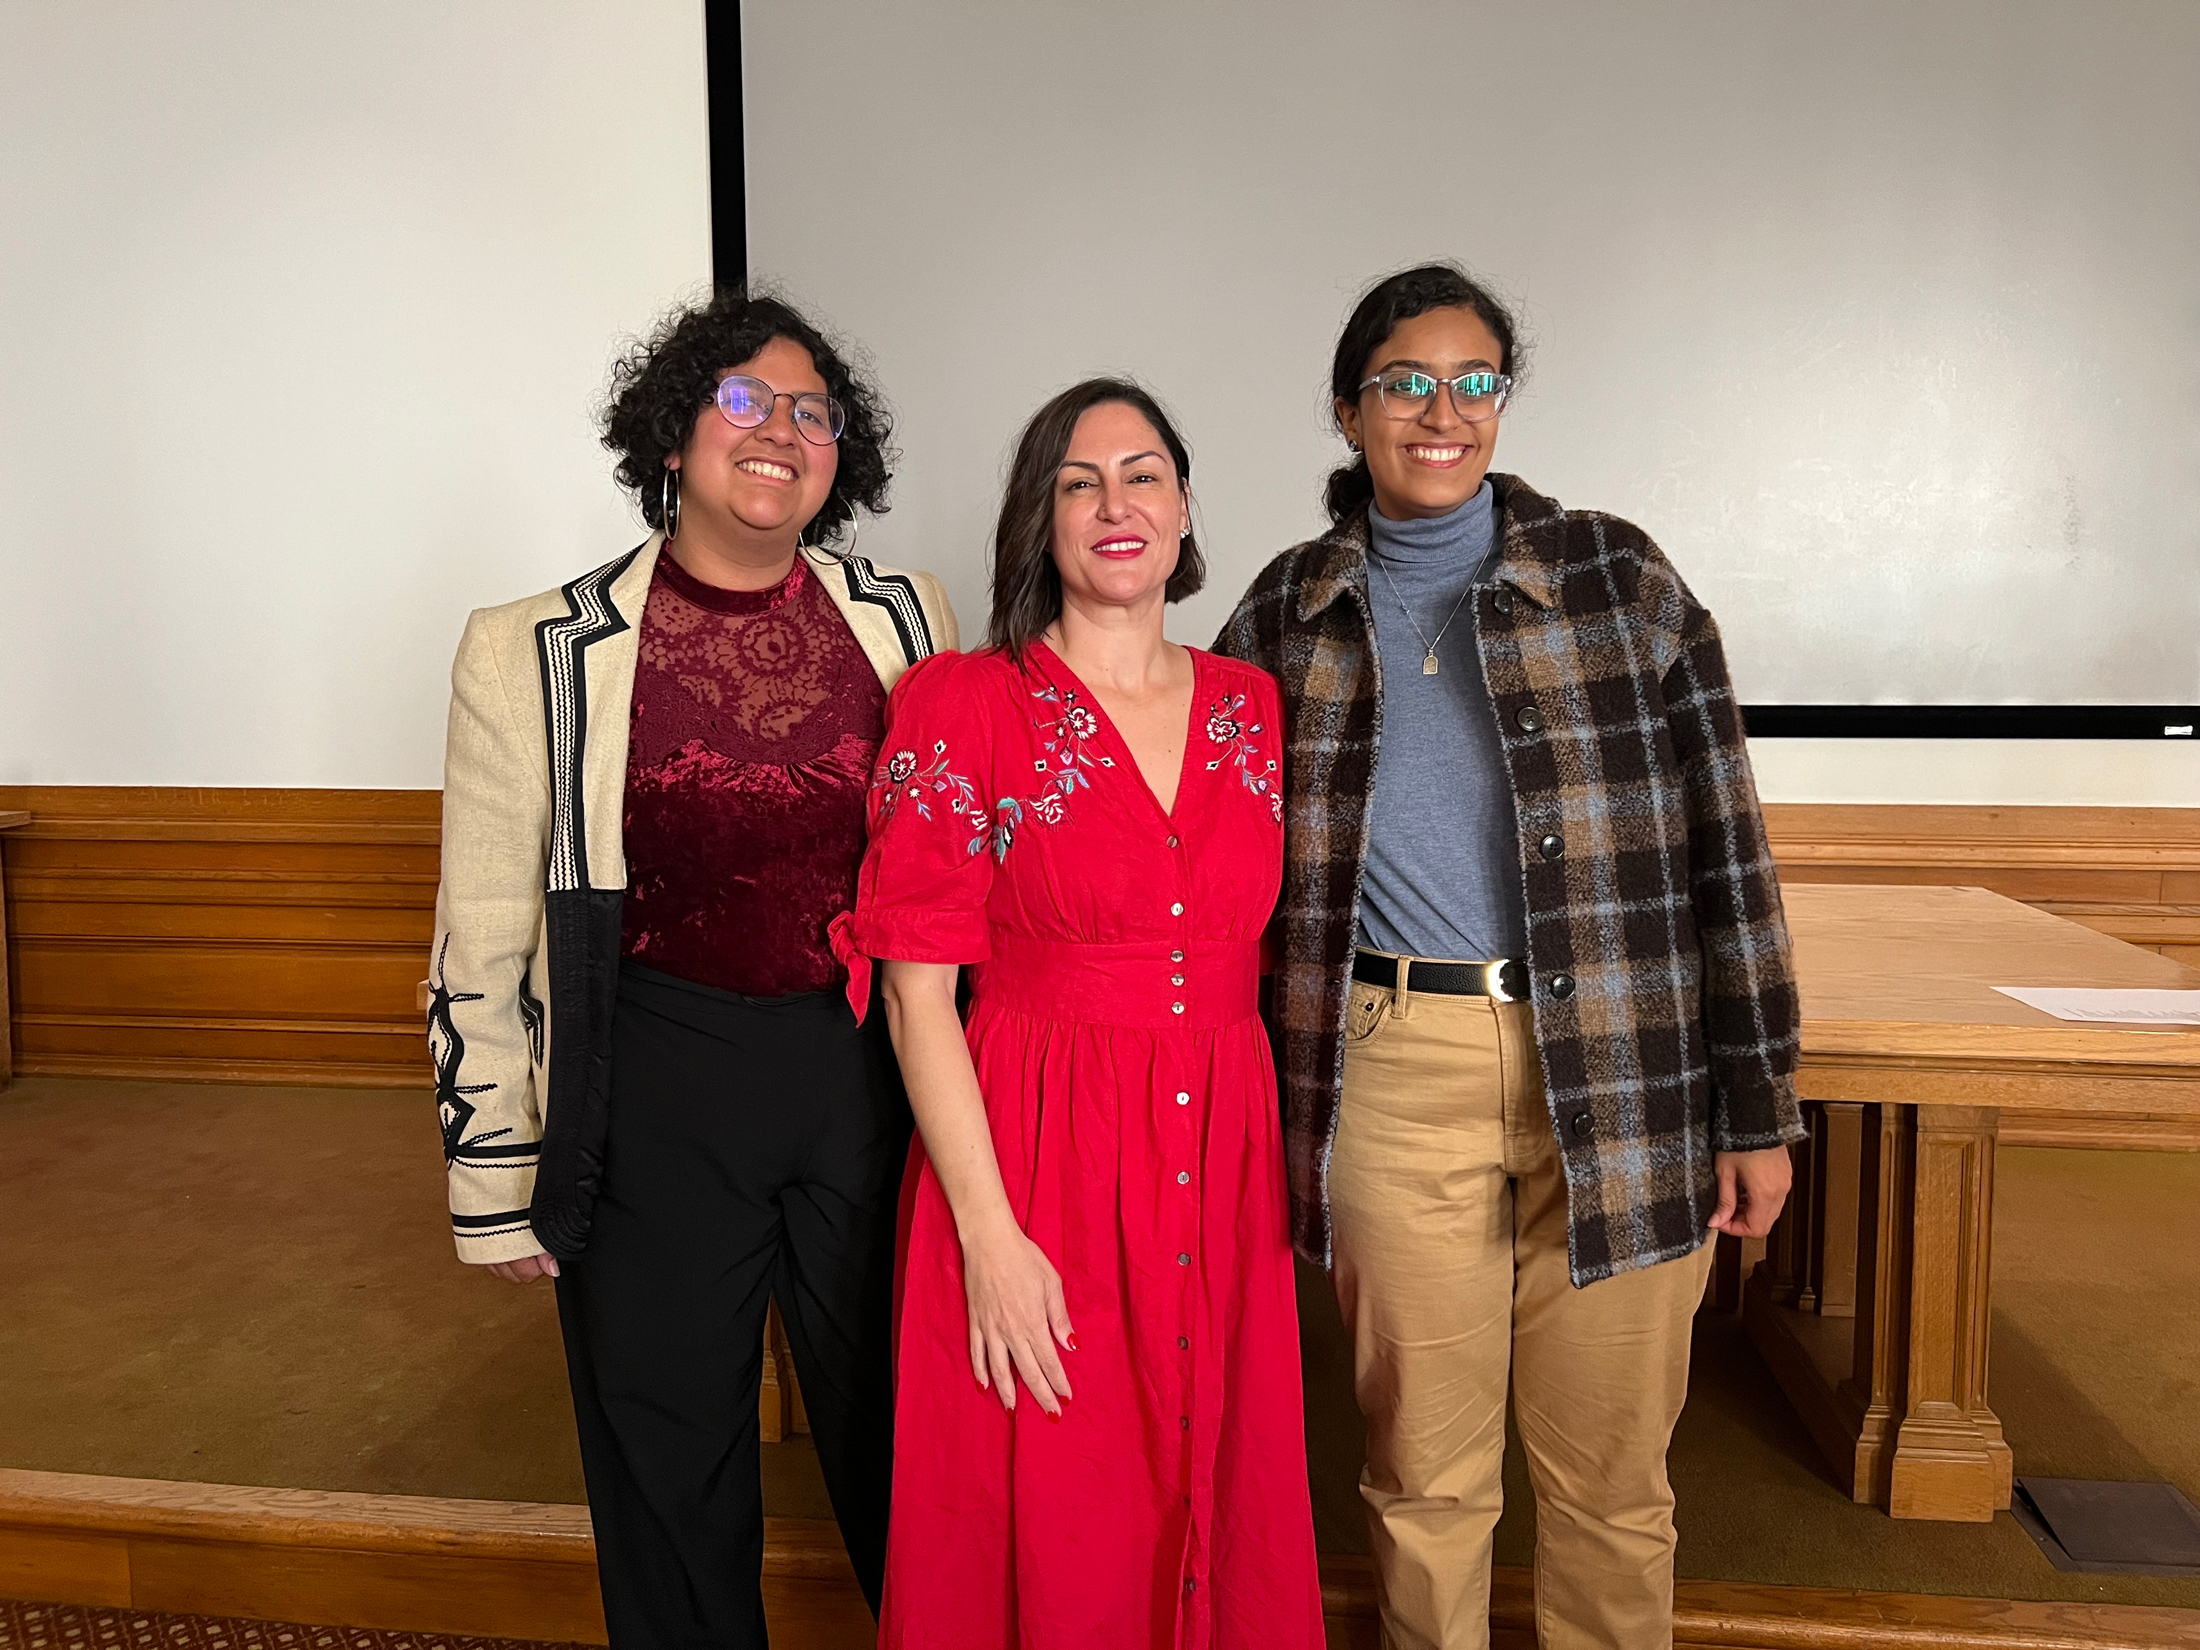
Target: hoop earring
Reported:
[(817, 543), (668, 504)]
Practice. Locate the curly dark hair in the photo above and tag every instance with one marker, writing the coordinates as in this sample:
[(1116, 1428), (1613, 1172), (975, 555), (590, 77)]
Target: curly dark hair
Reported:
[(662, 384), (1027, 586), (1382, 309)]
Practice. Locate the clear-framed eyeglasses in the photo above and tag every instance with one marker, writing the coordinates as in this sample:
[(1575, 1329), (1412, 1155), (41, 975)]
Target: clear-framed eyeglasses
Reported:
[(1477, 397), (748, 402)]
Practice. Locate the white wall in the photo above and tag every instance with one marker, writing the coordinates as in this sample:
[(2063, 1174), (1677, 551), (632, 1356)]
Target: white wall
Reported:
[(1883, 318), (303, 312)]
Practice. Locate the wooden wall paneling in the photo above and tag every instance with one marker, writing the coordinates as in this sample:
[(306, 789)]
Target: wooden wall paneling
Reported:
[(780, 1411), (2162, 840), (2158, 926), (2181, 887), (280, 935), (9, 820), (253, 935)]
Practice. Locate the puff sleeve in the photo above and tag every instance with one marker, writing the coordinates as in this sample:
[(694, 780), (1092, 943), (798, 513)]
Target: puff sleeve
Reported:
[(935, 841)]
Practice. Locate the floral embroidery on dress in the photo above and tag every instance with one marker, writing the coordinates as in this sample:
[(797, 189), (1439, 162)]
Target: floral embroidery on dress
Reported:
[(1008, 813), (1227, 726), (899, 776), (1068, 737)]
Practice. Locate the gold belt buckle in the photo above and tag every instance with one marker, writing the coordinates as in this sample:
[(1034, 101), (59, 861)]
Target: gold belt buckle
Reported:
[(1493, 981)]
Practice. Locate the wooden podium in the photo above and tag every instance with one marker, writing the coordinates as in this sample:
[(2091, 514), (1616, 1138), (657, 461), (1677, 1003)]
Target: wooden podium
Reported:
[(1871, 1306)]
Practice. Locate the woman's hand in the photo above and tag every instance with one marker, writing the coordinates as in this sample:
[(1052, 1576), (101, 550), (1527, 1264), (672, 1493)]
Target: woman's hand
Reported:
[(1753, 1186), (525, 1269), (1016, 1315)]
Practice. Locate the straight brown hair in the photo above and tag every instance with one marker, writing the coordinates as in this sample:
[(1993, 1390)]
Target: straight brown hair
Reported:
[(1027, 586)]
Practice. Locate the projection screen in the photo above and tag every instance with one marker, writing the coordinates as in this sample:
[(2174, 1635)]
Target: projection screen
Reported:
[(1883, 319)]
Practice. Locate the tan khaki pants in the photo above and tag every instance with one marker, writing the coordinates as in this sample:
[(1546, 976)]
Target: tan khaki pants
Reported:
[(1449, 1211)]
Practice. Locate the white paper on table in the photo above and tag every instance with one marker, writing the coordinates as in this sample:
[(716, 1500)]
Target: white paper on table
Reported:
[(2123, 1008)]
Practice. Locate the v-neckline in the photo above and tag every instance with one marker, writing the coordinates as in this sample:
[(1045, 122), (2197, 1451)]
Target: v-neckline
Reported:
[(1122, 745)]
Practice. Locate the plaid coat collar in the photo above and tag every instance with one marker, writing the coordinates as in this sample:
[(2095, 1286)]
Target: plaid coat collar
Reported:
[(1664, 999), (1529, 562)]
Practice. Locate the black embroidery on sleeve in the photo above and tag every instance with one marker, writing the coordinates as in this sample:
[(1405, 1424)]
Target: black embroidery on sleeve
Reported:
[(530, 1013), (448, 1049)]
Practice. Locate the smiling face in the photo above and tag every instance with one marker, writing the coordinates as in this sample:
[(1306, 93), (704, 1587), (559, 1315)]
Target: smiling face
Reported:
[(766, 483), (1431, 464), (1120, 509)]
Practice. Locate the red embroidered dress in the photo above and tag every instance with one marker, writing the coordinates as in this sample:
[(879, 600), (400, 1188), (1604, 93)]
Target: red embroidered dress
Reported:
[(755, 721), (1132, 1098)]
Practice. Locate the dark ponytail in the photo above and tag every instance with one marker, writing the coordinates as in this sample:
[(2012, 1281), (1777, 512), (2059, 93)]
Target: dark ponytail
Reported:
[(1388, 304)]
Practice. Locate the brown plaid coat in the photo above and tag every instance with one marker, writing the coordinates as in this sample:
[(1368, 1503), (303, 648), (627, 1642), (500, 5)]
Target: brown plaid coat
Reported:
[(1664, 991)]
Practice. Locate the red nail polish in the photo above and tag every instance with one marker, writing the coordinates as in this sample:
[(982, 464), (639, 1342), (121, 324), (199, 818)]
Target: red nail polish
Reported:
[(1070, 1341), (1054, 1415)]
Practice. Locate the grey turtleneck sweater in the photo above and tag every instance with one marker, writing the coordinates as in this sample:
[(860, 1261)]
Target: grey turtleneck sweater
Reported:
[(1443, 857)]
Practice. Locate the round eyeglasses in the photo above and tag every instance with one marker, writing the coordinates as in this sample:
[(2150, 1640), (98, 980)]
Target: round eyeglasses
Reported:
[(748, 402), (1477, 397)]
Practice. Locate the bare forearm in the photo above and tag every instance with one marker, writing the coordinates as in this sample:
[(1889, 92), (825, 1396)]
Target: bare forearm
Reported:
[(943, 1092)]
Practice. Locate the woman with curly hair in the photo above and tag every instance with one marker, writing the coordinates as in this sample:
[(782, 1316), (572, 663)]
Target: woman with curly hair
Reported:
[(657, 1073)]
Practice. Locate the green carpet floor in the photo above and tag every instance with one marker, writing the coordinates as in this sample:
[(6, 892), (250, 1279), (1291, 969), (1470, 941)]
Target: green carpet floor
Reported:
[(255, 1285)]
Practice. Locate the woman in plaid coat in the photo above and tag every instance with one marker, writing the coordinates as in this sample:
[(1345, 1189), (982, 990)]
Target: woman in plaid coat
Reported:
[(1536, 1004)]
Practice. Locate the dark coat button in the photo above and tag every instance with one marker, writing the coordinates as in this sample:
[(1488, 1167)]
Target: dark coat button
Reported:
[(1582, 1124), (1529, 718), (1551, 847), (1502, 600), (1562, 986)]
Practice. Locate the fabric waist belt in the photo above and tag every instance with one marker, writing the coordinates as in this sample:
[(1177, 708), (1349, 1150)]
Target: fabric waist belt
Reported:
[(1158, 986), (1505, 979)]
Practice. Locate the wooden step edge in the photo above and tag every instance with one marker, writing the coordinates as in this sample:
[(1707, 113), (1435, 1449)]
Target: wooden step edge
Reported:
[(253, 1515), (1729, 1615), (342, 1521), (108, 828), (1761, 1616)]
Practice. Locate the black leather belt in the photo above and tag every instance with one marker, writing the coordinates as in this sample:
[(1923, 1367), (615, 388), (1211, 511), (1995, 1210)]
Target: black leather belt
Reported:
[(1506, 979)]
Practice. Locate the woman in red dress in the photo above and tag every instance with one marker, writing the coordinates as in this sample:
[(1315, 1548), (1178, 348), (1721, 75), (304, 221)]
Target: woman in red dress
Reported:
[(1099, 1438)]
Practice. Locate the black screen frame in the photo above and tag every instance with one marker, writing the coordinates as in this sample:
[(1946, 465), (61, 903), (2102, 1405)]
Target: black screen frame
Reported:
[(729, 192)]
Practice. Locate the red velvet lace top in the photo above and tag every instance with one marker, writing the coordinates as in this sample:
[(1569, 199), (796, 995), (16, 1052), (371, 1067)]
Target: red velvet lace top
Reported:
[(756, 721)]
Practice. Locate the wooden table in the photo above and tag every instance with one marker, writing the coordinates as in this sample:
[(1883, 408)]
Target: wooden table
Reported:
[(1871, 1302), (9, 819)]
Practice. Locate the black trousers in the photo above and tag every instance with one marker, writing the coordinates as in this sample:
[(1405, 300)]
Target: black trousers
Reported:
[(755, 1150)]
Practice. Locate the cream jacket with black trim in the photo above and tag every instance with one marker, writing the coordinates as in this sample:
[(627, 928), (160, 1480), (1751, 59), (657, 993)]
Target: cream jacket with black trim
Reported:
[(525, 963)]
